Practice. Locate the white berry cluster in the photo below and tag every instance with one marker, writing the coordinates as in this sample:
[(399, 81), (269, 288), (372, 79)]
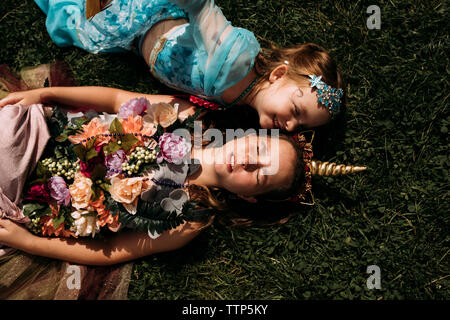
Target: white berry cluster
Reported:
[(34, 225), (137, 158), (61, 168)]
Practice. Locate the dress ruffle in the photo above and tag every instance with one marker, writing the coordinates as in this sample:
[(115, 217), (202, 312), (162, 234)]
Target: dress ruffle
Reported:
[(23, 276)]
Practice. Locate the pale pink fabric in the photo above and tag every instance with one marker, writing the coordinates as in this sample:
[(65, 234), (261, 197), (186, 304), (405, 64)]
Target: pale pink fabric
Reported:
[(23, 136)]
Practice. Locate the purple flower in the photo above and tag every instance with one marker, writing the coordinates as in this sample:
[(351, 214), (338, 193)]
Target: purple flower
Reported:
[(113, 162), (172, 148), (134, 107), (58, 190)]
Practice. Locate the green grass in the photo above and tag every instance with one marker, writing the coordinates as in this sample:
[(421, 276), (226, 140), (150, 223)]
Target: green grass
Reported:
[(395, 215)]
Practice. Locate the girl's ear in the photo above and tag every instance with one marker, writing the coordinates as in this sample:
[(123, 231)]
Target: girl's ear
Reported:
[(278, 72), (248, 198)]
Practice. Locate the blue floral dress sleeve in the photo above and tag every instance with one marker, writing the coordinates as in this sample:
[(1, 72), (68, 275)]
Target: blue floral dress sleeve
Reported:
[(203, 57), (206, 56), (111, 30)]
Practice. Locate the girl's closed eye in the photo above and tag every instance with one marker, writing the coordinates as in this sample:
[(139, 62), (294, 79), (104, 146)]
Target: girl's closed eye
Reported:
[(296, 111)]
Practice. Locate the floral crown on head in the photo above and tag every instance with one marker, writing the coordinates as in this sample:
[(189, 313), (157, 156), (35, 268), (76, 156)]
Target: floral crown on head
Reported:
[(330, 97), (304, 140), (304, 195)]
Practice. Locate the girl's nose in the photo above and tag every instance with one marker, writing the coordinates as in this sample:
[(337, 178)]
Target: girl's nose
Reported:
[(290, 125)]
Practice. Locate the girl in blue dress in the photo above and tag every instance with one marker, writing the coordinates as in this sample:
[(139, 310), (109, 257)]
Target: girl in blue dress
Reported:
[(190, 46)]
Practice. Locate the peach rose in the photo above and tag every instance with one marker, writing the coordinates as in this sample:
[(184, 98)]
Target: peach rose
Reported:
[(162, 113), (127, 191), (81, 191), (93, 129), (136, 124)]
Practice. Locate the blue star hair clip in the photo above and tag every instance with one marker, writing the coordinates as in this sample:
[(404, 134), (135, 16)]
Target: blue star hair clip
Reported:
[(328, 96)]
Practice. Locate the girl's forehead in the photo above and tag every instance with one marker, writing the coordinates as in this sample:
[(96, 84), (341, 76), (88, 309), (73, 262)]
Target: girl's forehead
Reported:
[(274, 147), (254, 139)]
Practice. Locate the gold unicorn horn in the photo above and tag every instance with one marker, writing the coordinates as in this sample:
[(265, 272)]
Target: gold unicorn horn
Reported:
[(320, 168)]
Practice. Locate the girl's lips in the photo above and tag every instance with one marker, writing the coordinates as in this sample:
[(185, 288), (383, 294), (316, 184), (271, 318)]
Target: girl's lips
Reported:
[(230, 162), (276, 124)]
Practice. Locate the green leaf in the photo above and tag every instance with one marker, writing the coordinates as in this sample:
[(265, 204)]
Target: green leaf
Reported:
[(40, 170), (90, 143), (128, 141), (38, 181), (99, 172), (80, 151), (57, 221), (105, 186), (159, 130), (63, 137), (95, 192), (91, 154), (116, 126), (111, 148), (79, 122), (29, 208)]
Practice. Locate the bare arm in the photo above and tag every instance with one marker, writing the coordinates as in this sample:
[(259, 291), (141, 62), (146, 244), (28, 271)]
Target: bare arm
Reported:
[(125, 246), (101, 99)]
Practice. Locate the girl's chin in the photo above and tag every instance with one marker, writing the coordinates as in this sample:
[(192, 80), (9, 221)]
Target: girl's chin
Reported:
[(222, 170), (266, 123)]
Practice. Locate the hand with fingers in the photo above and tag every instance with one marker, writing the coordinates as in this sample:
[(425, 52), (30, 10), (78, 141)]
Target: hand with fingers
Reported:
[(14, 235), (25, 98)]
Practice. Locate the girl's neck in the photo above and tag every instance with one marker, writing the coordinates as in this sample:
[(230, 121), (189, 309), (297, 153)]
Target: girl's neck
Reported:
[(206, 175), (230, 94)]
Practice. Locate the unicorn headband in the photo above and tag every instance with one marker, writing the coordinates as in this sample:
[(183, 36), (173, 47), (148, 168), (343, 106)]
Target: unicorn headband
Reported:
[(313, 167)]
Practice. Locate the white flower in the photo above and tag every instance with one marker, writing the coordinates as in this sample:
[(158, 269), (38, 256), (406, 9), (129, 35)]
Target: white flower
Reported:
[(84, 224)]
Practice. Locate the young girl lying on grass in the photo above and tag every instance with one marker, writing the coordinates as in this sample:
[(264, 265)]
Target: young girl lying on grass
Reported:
[(25, 276), (232, 175), (190, 46), (243, 179)]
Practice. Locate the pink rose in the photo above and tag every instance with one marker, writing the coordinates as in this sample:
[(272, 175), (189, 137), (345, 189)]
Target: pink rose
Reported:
[(133, 107), (172, 148), (58, 190)]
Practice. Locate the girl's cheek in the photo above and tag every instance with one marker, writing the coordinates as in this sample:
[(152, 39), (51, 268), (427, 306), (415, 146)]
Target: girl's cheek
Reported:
[(284, 111)]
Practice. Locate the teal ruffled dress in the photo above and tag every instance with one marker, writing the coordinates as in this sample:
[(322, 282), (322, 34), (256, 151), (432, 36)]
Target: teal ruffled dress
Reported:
[(203, 57)]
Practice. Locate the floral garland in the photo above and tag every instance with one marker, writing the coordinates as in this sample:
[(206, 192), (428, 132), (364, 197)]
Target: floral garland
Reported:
[(94, 173), (304, 195)]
